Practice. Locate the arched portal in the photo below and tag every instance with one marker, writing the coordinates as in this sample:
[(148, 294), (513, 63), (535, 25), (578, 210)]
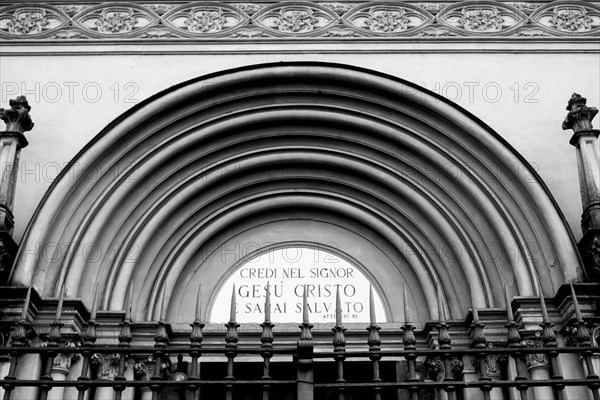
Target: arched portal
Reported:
[(176, 191)]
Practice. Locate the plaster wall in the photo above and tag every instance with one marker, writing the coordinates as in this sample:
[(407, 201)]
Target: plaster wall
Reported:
[(521, 96)]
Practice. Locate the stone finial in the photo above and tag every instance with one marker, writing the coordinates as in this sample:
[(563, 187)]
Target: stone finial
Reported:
[(17, 118), (580, 116)]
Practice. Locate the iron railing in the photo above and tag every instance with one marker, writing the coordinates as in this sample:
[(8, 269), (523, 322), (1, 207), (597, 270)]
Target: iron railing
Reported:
[(161, 378)]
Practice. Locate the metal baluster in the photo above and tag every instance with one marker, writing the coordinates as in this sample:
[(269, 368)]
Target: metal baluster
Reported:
[(196, 339), (19, 339), (549, 340), (514, 341), (479, 342), (231, 338), (409, 341), (304, 367), (444, 343), (124, 341), (266, 340), (88, 337), (54, 338), (374, 342), (161, 339), (583, 340), (339, 343)]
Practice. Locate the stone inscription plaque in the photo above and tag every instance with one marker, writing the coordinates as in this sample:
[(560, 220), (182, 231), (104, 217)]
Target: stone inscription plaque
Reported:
[(290, 271)]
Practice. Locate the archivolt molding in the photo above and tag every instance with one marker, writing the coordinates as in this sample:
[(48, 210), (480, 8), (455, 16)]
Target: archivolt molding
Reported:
[(411, 186), (297, 19)]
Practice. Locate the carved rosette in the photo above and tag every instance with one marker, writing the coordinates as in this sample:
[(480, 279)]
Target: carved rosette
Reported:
[(482, 19), (207, 19), (386, 19), (299, 19), (574, 18), (22, 21), (111, 20)]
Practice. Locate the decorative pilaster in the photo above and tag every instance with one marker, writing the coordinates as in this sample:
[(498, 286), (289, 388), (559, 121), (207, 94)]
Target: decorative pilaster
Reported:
[(12, 140), (585, 140)]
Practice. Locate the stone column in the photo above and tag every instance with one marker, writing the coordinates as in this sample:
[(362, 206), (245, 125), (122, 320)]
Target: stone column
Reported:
[(71, 393), (4, 368), (12, 140), (107, 368), (585, 140), (470, 373), (29, 366), (539, 368), (61, 365)]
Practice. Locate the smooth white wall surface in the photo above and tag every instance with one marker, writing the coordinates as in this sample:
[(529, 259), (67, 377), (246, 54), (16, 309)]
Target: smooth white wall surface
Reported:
[(521, 96)]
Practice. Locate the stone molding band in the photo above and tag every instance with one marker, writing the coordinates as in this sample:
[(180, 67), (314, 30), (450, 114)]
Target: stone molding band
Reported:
[(184, 21)]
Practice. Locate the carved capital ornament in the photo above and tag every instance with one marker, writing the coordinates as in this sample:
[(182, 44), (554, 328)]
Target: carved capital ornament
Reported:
[(17, 117)]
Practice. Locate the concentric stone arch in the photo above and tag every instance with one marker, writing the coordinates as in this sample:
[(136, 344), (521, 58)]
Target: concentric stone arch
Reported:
[(410, 185)]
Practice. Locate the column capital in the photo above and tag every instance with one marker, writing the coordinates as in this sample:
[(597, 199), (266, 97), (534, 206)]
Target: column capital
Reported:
[(580, 116), (17, 117), (107, 364)]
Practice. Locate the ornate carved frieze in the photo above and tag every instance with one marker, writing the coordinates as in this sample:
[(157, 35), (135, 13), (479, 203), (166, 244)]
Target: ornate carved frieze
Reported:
[(207, 19), (295, 19), (388, 19), (479, 18), (215, 20), (571, 18), (112, 20)]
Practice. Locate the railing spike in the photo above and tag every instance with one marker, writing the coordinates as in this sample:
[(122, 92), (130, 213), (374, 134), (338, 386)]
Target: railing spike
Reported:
[(578, 315), (268, 303), (305, 327), (509, 313), (161, 338), (94, 311), (405, 301), (441, 316), (26, 305), (305, 319), (408, 339), (474, 307), (513, 337), (198, 313), (542, 301), (61, 298), (232, 309), (129, 304), (583, 335), (125, 335), (443, 335), (163, 307), (479, 338), (372, 306), (338, 307), (196, 337), (373, 340)]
